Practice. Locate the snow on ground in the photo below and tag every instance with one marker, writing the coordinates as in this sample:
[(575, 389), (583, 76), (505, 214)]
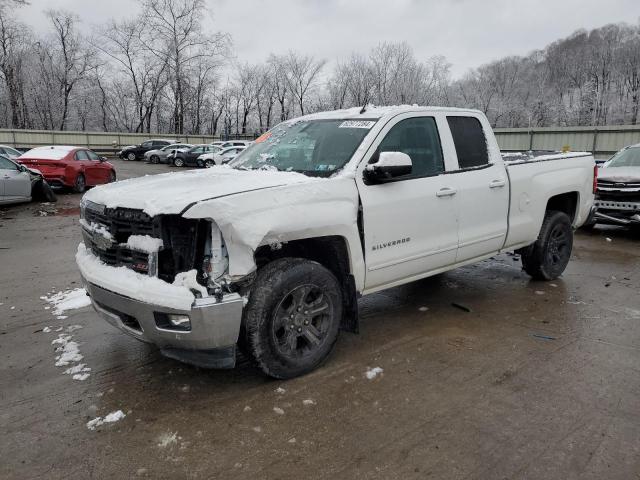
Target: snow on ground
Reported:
[(68, 349), (67, 300), (280, 390), (110, 418), (308, 402), (373, 372), (167, 439), (278, 410)]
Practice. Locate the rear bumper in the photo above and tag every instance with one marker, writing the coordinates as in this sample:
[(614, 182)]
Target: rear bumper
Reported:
[(210, 343), (58, 180)]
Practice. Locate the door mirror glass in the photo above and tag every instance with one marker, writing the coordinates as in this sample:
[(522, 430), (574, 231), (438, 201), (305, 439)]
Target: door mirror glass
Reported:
[(389, 166)]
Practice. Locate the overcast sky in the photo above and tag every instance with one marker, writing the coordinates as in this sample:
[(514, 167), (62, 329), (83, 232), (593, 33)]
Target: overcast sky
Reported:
[(468, 32)]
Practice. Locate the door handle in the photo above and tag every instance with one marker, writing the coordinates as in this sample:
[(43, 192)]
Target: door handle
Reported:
[(497, 183), (446, 192)]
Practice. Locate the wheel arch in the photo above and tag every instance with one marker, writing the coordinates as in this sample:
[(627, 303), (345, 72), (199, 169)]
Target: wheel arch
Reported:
[(565, 202), (333, 253)]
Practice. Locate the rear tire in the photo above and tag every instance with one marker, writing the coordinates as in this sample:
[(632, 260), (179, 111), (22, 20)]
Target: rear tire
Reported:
[(80, 185), (548, 257), (292, 318), (131, 157)]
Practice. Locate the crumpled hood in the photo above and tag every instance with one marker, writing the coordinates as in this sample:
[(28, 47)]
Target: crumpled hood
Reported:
[(171, 193), (620, 174)]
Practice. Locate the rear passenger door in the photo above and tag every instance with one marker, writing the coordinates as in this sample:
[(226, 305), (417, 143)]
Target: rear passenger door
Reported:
[(483, 190), (410, 224)]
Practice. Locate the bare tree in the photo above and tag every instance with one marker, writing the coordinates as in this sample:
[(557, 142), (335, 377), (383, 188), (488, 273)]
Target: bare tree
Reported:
[(302, 75)]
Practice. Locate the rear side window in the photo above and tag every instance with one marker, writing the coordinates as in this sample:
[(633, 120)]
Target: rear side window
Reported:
[(470, 142), (81, 155), (418, 138)]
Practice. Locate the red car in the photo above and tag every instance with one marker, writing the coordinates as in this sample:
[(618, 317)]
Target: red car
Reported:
[(73, 167)]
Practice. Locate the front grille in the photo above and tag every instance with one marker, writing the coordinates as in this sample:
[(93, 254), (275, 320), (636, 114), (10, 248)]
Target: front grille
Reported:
[(618, 191), (183, 240)]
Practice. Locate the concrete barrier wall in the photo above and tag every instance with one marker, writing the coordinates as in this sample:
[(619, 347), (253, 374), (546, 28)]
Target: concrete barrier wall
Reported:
[(599, 140), (98, 141)]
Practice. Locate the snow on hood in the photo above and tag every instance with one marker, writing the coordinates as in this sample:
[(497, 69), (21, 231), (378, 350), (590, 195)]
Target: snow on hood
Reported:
[(619, 174), (171, 193)]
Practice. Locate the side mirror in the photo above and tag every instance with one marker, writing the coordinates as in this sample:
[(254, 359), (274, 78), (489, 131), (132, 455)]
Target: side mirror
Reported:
[(389, 166), (103, 159)]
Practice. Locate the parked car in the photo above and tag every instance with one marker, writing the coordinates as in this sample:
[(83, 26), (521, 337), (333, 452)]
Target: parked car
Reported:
[(160, 155), (67, 166), (9, 152), (618, 189), (219, 157), (136, 152), (232, 143), (189, 158), (21, 184), (265, 255)]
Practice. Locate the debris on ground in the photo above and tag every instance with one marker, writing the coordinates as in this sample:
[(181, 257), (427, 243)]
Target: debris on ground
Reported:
[(167, 439), (460, 306), (278, 410), (308, 401), (543, 337)]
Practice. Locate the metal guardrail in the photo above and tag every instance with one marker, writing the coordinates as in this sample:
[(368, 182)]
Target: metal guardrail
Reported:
[(102, 142), (599, 140)]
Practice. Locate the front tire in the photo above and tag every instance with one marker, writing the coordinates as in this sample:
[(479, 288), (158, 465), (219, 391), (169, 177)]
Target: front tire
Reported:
[(548, 257), (292, 318), (209, 163), (80, 185), (178, 162), (112, 177), (131, 157), (155, 159)]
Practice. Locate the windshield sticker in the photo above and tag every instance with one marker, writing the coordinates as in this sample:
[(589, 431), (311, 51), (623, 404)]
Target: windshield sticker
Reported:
[(262, 137), (357, 124)]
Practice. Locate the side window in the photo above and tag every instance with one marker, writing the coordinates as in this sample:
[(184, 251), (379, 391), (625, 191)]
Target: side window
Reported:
[(7, 165), (81, 155), (146, 144), (92, 156), (470, 142), (198, 150), (418, 138)]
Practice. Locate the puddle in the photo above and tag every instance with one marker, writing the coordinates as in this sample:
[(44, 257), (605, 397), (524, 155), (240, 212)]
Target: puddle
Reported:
[(68, 212)]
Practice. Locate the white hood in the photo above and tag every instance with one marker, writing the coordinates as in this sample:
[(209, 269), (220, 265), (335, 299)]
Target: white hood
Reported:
[(171, 193), (620, 174)]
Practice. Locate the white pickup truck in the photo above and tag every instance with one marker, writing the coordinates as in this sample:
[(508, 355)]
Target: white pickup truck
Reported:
[(271, 253)]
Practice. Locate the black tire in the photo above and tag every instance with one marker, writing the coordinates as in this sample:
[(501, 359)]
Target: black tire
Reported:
[(199, 163), (209, 163), (112, 176), (80, 185), (547, 258), (41, 191), (155, 159), (282, 337), (178, 162), (131, 157)]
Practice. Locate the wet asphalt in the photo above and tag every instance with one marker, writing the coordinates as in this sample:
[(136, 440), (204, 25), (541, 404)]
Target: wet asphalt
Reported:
[(486, 375)]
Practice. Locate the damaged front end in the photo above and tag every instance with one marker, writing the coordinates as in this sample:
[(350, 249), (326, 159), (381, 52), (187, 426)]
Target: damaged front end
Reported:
[(618, 202), (162, 279)]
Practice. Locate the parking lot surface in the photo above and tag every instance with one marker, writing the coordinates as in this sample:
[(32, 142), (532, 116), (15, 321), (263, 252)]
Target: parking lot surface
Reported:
[(484, 374)]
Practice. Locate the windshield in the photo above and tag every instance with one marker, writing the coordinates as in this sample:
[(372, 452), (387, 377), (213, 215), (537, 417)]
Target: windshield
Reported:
[(312, 147), (629, 157)]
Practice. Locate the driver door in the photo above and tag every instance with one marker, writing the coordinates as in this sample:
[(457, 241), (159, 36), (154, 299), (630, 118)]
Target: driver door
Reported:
[(411, 222)]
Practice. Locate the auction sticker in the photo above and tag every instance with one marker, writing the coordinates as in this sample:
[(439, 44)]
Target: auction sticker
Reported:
[(357, 124)]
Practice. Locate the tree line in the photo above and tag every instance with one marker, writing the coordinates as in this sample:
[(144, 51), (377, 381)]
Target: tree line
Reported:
[(167, 71)]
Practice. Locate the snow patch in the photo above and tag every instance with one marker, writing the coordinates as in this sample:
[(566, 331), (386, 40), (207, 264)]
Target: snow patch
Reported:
[(280, 390), (188, 280), (308, 402), (278, 410), (144, 243), (373, 372), (167, 439), (110, 418), (69, 351), (67, 300)]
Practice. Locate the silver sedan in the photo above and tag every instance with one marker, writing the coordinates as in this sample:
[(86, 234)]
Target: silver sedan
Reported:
[(21, 184)]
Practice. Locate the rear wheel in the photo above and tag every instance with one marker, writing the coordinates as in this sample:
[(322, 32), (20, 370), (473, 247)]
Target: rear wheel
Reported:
[(80, 185), (548, 257), (178, 162), (292, 318), (131, 157)]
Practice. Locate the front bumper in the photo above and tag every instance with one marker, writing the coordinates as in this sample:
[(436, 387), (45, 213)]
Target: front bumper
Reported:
[(617, 212), (210, 343)]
